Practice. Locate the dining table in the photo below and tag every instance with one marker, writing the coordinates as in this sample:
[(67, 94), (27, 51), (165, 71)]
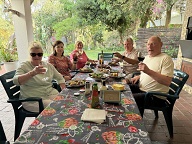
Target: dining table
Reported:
[(60, 122)]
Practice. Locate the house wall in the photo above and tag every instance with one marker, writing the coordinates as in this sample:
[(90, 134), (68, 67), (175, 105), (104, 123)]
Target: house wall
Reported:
[(180, 59), (174, 20)]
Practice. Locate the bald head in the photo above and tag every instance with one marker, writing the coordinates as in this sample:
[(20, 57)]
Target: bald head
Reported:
[(154, 45)]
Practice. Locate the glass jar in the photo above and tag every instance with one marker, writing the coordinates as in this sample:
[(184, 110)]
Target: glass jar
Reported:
[(87, 88)]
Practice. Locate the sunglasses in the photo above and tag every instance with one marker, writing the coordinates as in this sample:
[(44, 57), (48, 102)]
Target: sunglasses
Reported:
[(38, 54)]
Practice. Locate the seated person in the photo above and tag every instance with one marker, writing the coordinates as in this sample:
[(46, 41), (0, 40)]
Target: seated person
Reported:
[(156, 73), (61, 62), (79, 56), (35, 79), (129, 58)]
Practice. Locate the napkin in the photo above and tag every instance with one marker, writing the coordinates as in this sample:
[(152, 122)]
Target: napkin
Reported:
[(94, 115)]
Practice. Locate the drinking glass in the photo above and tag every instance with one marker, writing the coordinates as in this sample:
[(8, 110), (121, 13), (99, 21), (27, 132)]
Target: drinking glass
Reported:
[(45, 77), (140, 56)]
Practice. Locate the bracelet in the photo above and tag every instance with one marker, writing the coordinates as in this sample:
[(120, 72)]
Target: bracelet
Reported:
[(123, 57)]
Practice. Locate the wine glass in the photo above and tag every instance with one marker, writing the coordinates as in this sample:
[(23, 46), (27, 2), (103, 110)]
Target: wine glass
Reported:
[(75, 57), (140, 56)]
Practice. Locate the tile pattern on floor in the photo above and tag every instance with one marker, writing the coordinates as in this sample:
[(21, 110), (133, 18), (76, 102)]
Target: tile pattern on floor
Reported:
[(158, 132)]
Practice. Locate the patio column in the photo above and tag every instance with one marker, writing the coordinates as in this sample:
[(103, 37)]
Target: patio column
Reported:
[(23, 27)]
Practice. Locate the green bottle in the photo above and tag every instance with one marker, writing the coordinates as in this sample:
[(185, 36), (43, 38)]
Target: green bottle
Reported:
[(94, 96)]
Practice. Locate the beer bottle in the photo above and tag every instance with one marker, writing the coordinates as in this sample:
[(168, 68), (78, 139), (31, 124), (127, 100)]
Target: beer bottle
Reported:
[(94, 96), (101, 60)]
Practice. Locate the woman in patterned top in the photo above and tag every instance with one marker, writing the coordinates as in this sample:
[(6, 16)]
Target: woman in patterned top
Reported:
[(61, 62)]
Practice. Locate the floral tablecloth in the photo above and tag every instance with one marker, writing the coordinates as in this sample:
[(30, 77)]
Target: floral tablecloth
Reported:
[(60, 122)]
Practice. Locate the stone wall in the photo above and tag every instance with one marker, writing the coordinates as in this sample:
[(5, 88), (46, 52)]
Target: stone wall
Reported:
[(170, 37)]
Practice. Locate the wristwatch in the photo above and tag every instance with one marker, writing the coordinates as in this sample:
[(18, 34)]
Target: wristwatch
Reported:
[(123, 57)]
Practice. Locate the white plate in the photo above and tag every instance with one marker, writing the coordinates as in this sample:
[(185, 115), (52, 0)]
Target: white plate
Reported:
[(82, 90), (76, 94)]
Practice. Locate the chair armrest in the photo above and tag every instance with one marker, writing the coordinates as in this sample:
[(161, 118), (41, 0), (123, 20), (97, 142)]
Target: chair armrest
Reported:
[(39, 100), (161, 94)]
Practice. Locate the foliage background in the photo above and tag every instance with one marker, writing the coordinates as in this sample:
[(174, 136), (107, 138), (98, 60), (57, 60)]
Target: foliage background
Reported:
[(99, 24)]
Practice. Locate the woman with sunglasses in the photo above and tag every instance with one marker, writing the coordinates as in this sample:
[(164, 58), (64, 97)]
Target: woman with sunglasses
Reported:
[(61, 62), (35, 78)]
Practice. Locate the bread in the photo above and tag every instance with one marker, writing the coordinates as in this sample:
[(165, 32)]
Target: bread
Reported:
[(118, 87)]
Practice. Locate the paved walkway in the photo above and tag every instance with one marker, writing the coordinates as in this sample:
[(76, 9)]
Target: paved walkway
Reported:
[(158, 132)]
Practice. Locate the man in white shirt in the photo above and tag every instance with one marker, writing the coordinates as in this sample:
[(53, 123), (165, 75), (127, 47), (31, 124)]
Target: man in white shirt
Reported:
[(129, 58), (156, 73)]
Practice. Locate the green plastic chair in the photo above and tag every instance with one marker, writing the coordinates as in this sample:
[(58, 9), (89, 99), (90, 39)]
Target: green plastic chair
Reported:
[(13, 92), (178, 81), (3, 139), (106, 56)]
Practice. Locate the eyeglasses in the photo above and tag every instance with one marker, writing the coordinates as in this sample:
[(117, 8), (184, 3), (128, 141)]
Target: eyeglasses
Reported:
[(34, 54)]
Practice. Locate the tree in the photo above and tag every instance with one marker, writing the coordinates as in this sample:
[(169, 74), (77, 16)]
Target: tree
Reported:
[(46, 14), (107, 12), (6, 27), (169, 6), (141, 10)]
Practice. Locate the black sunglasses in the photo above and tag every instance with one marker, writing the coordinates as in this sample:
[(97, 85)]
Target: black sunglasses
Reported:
[(34, 54)]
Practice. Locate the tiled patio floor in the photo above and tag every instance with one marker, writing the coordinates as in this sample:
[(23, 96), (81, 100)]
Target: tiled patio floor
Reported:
[(158, 132)]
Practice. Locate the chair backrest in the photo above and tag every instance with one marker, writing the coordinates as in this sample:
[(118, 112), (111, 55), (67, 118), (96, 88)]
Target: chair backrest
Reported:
[(11, 89), (178, 81), (2, 133), (106, 56)]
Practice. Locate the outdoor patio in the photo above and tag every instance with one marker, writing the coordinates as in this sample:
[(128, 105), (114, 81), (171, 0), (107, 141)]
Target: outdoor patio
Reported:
[(158, 132)]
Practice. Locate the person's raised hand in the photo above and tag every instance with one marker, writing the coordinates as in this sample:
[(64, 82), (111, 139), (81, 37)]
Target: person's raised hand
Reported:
[(39, 69), (116, 54), (143, 67)]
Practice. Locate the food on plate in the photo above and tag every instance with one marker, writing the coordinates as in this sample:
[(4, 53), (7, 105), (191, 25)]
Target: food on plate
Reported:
[(118, 87), (98, 76), (87, 63), (76, 82), (112, 63), (103, 70), (104, 66), (115, 74), (86, 69)]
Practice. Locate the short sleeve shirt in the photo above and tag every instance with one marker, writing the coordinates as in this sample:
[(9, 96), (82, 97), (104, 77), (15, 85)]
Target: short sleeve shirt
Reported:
[(162, 64), (130, 68)]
